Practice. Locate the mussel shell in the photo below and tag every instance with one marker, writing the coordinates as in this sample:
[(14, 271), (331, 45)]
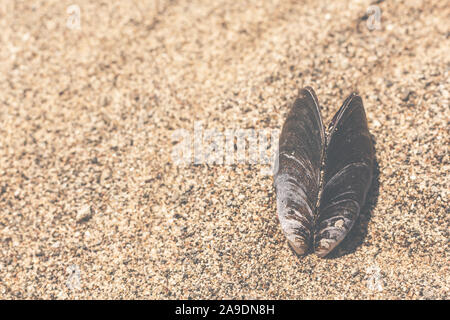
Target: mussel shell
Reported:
[(348, 171), (342, 184), (297, 172)]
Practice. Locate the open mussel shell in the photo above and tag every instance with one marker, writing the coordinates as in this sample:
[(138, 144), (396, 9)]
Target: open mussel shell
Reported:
[(340, 172)]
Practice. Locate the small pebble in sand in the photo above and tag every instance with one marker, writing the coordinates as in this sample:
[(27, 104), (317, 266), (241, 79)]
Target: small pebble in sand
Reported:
[(84, 213)]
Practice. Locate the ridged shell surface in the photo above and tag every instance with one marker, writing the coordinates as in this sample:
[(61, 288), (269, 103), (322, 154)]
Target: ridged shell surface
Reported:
[(339, 171), (297, 175)]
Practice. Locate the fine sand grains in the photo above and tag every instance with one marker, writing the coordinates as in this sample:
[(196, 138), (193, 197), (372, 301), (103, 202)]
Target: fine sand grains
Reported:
[(93, 205)]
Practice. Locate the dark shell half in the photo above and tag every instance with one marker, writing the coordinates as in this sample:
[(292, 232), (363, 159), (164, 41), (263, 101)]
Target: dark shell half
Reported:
[(340, 171), (297, 173)]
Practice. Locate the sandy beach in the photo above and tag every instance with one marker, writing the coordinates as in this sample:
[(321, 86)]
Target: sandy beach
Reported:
[(96, 97)]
